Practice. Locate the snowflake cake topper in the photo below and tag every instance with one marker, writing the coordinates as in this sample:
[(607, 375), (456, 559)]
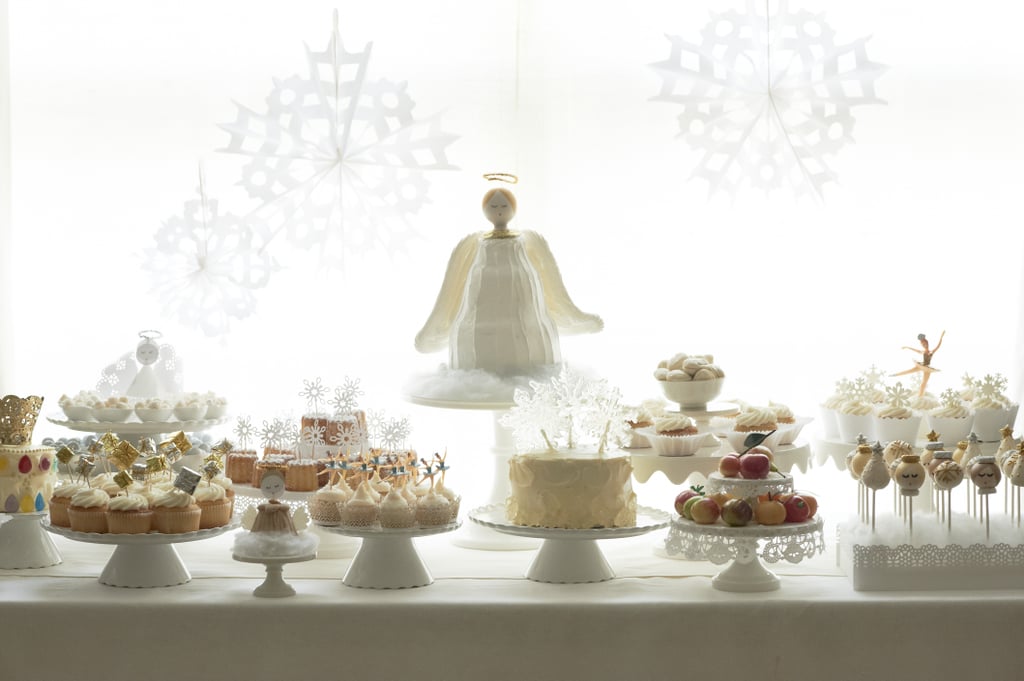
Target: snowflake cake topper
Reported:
[(897, 395), (565, 409), (338, 159), (767, 97), (346, 397), (950, 398)]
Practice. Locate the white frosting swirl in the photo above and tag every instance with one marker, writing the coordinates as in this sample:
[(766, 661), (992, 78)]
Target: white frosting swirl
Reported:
[(673, 422), (893, 412), (952, 411), (924, 402), (209, 493), (855, 408), (986, 402), (782, 412), (756, 418), (129, 502), (175, 498), (90, 498), (68, 490)]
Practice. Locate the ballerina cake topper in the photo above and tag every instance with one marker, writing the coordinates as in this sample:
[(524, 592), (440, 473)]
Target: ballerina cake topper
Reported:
[(502, 304), (924, 366)]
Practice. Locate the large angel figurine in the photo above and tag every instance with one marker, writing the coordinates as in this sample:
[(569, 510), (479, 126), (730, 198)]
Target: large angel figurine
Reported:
[(502, 304)]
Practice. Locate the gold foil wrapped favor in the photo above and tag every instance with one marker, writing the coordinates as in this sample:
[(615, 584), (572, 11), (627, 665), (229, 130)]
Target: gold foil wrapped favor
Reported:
[(180, 441), (124, 455), (211, 469), (156, 464), (64, 455), (84, 466), (124, 479), (18, 418), (109, 442), (222, 448), (147, 446)]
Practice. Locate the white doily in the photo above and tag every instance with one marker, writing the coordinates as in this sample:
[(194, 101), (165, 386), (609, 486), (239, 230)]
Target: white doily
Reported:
[(767, 97)]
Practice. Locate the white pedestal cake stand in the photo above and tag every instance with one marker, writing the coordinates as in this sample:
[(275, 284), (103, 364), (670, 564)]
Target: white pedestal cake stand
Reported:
[(273, 585), (143, 561), (721, 544), (133, 430), (387, 558), (569, 556), (24, 544), (473, 535)]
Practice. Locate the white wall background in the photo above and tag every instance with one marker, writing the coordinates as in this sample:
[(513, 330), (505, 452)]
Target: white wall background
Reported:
[(115, 102)]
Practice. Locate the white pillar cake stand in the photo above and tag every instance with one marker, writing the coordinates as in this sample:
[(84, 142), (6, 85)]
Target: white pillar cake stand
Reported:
[(387, 558), (569, 556), (143, 561), (273, 585), (721, 544), (24, 543)]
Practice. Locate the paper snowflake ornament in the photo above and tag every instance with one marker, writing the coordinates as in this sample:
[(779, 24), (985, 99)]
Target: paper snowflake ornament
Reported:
[(950, 398), (897, 395), (314, 392), (244, 430), (207, 265), (767, 97), (568, 410), (337, 157), (394, 433), (346, 398)]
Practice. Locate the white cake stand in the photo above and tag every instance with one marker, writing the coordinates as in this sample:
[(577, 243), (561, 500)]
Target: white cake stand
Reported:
[(127, 430), (387, 558), (720, 543), (274, 585), (143, 561), (569, 556), (678, 469), (24, 544)]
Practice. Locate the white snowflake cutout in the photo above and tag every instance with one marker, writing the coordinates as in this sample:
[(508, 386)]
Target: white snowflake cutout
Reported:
[(767, 97), (346, 397), (205, 266), (338, 157), (897, 395), (244, 430), (950, 398)]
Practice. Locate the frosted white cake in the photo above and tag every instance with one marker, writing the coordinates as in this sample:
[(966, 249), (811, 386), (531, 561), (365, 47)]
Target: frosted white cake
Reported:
[(571, 490)]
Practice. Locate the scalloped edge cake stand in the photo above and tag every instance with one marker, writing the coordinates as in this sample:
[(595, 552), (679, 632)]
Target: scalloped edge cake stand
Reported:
[(273, 585), (143, 561), (387, 558), (738, 546), (24, 544), (569, 556)]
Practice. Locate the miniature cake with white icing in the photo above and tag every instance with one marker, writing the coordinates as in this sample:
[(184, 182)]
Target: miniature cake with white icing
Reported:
[(27, 472)]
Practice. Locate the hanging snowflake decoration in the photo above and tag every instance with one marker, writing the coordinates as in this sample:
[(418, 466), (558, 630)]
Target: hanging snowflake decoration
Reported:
[(566, 410), (205, 266), (337, 158), (767, 97)]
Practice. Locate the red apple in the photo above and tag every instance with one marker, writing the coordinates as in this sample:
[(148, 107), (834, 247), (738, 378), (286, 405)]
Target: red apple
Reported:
[(705, 511), (760, 449), (737, 512), (797, 510), (729, 465), (684, 496), (755, 466)]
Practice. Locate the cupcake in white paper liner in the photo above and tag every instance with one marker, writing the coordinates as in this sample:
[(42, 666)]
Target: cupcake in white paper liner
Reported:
[(992, 409), (953, 419), (753, 419), (789, 424), (640, 418), (675, 435), (829, 409), (895, 420), (856, 415)]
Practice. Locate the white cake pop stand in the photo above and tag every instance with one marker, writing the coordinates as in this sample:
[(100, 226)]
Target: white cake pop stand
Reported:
[(24, 544), (569, 556), (273, 585), (387, 558), (143, 561), (721, 543)]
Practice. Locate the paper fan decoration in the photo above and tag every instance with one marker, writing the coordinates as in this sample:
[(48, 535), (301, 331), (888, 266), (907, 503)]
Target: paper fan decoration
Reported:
[(337, 158), (767, 97), (206, 265)]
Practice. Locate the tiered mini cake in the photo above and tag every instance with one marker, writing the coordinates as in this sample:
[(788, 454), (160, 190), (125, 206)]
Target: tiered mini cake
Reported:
[(27, 472)]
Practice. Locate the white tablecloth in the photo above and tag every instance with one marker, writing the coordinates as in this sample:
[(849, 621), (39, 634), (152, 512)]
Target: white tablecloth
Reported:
[(660, 619)]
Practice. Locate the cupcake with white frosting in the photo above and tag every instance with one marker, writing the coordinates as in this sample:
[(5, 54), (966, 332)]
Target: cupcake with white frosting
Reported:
[(175, 512), (895, 420), (952, 419), (88, 510), (992, 409), (856, 415), (129, 514)]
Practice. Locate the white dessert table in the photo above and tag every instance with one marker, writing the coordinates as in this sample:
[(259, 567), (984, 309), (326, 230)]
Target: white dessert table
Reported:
[(659, 619)]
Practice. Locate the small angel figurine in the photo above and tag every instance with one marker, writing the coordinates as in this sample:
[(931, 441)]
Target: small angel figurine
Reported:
[(500, 285), (924, 367), (274, 515)]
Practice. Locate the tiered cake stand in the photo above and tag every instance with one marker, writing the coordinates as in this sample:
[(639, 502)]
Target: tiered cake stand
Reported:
[(24, 544), (143, 561), (569, 556), (387, 558), (720, 544)]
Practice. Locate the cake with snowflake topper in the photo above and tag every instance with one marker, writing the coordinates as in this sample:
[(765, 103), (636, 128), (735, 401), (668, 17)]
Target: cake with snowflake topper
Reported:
[(27, 472), (565, 476)]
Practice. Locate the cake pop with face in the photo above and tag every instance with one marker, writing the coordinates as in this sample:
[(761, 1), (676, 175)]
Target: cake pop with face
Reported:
[(910, 475), (985, 474), (272, 485)]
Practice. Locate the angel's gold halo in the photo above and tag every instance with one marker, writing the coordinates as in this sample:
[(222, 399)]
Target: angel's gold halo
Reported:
[(501, 177)]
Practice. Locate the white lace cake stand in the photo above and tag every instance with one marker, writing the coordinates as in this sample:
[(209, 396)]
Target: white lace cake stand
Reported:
[(135, 429), (387, 558), (569, 556), (720, 544), (273, 585), (331, 545), (24, 544), (143, 561)]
